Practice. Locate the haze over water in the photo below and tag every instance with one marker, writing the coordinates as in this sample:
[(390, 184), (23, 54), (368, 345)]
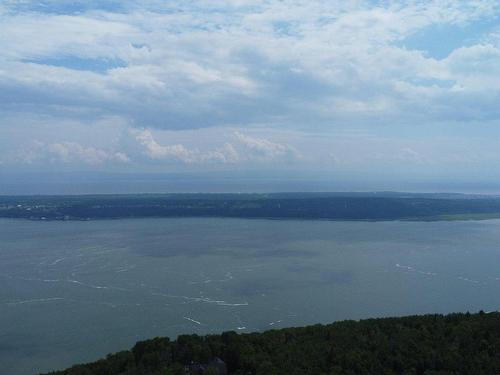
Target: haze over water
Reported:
[(75, 291)]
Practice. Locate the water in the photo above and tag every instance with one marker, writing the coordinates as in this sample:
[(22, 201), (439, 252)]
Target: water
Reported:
[(75, 291)]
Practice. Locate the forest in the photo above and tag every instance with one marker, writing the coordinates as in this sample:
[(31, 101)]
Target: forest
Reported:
[(327, 206), (460, 343)]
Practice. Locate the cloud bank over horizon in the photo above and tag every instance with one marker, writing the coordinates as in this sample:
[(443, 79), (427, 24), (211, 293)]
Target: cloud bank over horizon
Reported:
[(413, 87)]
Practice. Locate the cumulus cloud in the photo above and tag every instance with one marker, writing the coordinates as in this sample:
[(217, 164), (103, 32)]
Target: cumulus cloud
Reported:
[(178, 152), (242, 149), (261, 148), (66, 153), (225, 154), (72, 151), (156, 151)]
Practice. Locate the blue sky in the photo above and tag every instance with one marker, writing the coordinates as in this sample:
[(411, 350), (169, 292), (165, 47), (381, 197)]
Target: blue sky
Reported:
[(406, 89)]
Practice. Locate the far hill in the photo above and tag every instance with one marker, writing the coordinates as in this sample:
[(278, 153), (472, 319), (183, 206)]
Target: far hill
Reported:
[(307, 206)]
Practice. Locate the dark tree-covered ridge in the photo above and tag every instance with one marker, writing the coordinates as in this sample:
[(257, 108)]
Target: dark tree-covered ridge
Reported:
[(427, 344), (329, 206)]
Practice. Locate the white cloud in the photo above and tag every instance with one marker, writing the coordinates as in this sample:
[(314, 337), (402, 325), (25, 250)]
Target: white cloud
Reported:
[(261, 148), (66, 153), (243, 149), (70, 151), (156, 151), (178, 152), (225, 154)]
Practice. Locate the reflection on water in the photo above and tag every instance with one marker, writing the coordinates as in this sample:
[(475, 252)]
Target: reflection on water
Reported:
[(74, 291)]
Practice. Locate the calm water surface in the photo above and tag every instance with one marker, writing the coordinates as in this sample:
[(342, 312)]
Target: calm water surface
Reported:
[(74, 291)]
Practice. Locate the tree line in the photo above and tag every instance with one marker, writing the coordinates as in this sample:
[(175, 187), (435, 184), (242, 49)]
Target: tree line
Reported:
[(459, 343)]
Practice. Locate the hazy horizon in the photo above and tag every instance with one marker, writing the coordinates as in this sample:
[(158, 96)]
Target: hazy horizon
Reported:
[(75, 183)]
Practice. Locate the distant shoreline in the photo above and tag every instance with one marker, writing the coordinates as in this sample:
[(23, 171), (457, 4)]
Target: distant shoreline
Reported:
[(385, 206), (401, 220)]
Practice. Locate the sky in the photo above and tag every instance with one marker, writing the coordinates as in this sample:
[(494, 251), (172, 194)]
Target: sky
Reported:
[(363, 90)]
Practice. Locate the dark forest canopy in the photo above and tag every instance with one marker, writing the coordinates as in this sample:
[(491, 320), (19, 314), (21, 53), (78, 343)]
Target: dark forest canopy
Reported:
[(330, 206), (427, 344)]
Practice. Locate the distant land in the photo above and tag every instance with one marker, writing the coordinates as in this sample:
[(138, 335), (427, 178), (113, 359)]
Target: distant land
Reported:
[(307, 206), (427, 344)]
